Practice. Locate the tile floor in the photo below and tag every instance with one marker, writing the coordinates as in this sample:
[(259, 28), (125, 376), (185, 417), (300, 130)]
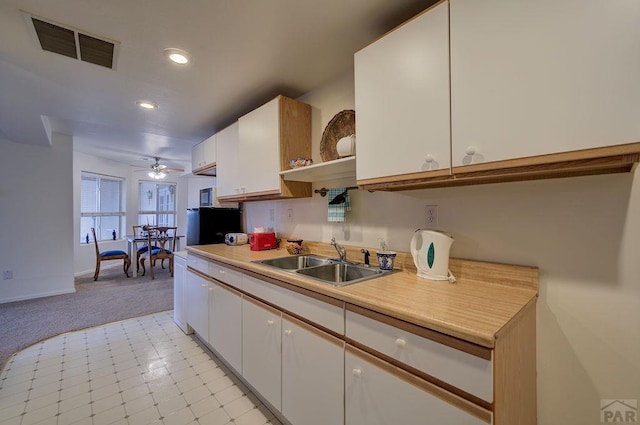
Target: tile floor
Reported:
[(139, 371)]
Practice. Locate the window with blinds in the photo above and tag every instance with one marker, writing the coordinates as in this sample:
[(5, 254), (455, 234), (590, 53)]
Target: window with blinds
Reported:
[(156, 203), (101, 207)]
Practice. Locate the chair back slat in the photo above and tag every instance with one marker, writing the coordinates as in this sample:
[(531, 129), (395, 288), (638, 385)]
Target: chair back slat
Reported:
[(95, 241), (164, 237), (162, 245)]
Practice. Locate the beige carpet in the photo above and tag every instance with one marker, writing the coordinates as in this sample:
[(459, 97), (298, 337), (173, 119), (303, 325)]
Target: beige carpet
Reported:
[(111, 298)]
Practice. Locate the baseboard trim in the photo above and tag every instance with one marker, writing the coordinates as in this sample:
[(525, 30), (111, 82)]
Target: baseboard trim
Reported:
[(37, 295)]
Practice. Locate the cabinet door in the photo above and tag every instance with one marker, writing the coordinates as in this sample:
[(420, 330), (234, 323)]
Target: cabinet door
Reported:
[(197, 153), (375, 395), (261, 349), (225, 324), (179, 292), (537, 77), (197, 300), (204, 153), (312, 375), (228, 166), (402, 99), (210, 150), (260, 148)]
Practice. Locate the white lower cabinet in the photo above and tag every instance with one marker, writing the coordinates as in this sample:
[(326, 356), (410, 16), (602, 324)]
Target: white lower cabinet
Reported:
[(306, 370), (312, 375), (468, 372), (262, 350), (179, 292), (225, 323), (377, 393), (197, 305)]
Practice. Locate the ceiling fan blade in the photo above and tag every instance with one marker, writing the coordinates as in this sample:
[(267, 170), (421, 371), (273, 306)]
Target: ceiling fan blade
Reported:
[(173, 170)]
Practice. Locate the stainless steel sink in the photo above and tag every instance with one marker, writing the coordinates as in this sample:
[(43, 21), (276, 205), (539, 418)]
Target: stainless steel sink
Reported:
[(332, 271), (341, 274), (296, 262)]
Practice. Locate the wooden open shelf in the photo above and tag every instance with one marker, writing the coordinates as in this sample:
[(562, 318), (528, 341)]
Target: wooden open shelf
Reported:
[(330, 170)]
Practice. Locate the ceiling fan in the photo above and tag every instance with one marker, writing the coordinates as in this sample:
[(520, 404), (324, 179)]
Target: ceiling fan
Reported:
[(159, 171)]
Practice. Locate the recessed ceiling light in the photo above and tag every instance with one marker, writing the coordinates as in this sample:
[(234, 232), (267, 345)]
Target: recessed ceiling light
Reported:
[(147, 104), (178, 56)]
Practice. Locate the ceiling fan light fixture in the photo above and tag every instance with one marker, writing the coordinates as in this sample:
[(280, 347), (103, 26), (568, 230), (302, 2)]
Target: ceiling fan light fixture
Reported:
[(177, 56), (157, 175), (147, 104)]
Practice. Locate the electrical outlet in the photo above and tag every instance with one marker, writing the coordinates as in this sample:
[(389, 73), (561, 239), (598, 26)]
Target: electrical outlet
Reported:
[(432, 215), (7, 275), (290, 214)]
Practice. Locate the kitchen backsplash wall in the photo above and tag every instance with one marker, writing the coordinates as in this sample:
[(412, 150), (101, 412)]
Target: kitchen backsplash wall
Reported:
[(583, 234)]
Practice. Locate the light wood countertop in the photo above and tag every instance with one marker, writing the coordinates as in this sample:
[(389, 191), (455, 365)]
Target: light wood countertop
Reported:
[(485, 298)]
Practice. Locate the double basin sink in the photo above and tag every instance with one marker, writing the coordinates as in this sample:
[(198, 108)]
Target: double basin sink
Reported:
[(332, 271)]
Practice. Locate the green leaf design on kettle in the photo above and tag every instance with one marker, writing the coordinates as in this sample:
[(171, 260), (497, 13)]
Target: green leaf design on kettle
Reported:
[(431, 255)]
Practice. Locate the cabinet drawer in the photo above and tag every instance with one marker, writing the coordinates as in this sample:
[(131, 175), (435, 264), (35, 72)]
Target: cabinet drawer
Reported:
[(465, 371), (326, 315), (378, 393), (216, 271), (198, 263), (225, 274)]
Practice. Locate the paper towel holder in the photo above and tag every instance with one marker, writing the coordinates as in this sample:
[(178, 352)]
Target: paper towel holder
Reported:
[(323, 192)]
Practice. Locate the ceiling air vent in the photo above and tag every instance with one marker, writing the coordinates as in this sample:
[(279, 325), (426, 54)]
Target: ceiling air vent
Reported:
[(55, 39), (72, 42)]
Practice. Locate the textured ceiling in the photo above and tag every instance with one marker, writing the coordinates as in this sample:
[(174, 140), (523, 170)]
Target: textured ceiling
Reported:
[(244, 52)]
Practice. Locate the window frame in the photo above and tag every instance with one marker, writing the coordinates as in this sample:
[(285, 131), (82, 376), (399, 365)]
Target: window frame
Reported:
[(98, 215), (157, 212)]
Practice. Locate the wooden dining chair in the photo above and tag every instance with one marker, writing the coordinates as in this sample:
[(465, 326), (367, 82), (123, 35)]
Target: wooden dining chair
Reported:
[(140, 230), (113, 254), (165, 239)]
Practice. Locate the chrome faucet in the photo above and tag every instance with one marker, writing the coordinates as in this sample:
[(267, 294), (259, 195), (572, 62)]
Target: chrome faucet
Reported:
[(341, 250)]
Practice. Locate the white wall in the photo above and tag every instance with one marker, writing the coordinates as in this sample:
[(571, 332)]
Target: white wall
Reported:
[(85, 257), (195, 184), (582, 233), (36, 218)]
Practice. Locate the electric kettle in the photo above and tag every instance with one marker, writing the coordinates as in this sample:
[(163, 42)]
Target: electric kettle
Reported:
[(430, 251)]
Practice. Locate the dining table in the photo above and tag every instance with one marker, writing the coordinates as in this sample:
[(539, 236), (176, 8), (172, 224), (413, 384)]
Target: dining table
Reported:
[(132, 247)]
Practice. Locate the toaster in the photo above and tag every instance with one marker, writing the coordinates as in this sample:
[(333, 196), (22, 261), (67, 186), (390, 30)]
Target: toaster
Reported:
[(262, 241), (235, 238)]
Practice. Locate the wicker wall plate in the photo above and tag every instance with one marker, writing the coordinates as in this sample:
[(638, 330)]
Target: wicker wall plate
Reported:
[(341, 125)]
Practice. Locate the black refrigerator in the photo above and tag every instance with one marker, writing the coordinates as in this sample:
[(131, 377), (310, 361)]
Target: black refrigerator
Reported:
[(209, 225)]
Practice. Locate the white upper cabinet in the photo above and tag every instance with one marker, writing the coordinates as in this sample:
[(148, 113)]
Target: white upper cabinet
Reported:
[(268, 137), (402, 99), (260, 150), (228, 164), (547, 76), (203, 156)]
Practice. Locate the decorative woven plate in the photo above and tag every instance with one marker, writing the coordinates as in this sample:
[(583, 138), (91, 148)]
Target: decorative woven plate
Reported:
[(341, 125)]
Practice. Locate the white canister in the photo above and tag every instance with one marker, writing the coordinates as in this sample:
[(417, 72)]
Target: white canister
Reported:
[(430, 251), (346, 146)]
